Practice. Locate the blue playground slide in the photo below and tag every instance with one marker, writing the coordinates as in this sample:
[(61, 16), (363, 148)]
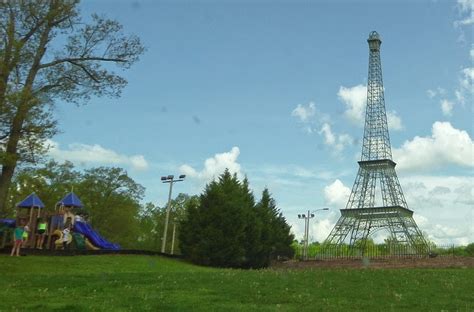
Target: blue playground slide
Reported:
[(94, 237)]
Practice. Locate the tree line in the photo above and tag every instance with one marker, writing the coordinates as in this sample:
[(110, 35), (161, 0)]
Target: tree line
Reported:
[(48, 52), (224, 226), (111, 198)]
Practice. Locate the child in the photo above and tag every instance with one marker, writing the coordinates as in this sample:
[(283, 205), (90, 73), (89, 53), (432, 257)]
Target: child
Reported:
[(66, 236), (26, 231), (18, 236), (42, 227)]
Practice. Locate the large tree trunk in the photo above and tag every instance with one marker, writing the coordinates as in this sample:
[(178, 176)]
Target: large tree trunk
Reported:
[(5, 180), (11, 157), (24, 105)]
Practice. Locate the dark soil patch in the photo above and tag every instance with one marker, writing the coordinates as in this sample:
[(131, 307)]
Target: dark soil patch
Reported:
[(392, 263)]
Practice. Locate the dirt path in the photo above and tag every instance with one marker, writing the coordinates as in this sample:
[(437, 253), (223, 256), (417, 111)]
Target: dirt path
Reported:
[(439, 262)]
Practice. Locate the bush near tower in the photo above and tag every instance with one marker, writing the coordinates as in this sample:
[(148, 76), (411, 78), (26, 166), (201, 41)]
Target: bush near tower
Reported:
[(226, 228)]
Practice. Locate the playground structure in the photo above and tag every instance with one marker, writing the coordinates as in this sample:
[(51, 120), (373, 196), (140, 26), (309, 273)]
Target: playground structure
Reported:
[(67, 212)]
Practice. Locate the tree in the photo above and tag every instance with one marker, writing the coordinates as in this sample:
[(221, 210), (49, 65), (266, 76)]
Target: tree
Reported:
[(109, 195), (215, 231), (276, 237), (148, 236), (227, 229), (112, 200), (152, 220), (470, 249), (50, 182), (48, 53), (179, 206)]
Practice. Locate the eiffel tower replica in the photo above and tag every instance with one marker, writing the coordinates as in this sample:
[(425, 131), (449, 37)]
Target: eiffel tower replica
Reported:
[(361, 217)]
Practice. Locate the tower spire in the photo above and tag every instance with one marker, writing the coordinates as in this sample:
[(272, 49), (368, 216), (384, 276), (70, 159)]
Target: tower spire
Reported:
[(376, 144)]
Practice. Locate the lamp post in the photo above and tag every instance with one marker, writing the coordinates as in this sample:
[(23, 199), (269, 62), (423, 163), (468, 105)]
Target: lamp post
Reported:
[(306, 218), (169, 179), (174, 234)]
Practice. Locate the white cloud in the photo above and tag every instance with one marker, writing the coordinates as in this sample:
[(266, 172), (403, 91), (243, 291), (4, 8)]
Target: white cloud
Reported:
[(465, 6), (329, 137), (446, 145), (337, 142), (443, 206), (466, 85), (304, 113), (336, 194), (309, 116), (355, 100), (320, 229), (394, 122), (447, 107), (95, 154), (138, 162), (214, 166), (432, 93)]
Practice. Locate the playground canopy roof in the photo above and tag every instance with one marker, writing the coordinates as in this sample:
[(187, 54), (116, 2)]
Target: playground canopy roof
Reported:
[(71, 200), (31, 201)]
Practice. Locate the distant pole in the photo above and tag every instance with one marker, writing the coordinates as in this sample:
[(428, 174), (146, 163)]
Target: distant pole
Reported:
[(306, 218), (168, 208), (174, 234), (168, 179), (306, 234)]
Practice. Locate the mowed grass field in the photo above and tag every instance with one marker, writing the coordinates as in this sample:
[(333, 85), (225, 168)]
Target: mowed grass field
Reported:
[(152, 283)]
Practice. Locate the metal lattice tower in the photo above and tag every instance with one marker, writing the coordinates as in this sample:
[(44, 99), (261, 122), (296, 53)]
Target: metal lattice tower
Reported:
[(376, 178)]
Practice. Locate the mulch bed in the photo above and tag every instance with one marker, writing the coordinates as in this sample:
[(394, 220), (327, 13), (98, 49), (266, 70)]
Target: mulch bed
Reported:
[(75, 252), (389, 263)]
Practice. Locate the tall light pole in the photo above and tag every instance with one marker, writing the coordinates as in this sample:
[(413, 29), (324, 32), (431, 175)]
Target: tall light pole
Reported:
[(174, 234), (169, 179), (306, 218)]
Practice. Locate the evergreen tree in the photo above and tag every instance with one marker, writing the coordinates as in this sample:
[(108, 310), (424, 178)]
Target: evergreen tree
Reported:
[(253, 226), (276, 237), (227, 229), (216, 231)]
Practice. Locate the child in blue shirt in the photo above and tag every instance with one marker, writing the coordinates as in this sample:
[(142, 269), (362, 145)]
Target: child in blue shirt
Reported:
[(18, 238)]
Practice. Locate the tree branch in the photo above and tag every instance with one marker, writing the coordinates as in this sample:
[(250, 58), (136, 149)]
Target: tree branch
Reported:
[(91, 76), (80, 59)]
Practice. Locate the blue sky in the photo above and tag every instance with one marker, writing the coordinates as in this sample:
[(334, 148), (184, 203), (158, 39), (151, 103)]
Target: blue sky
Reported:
[(275, 90)]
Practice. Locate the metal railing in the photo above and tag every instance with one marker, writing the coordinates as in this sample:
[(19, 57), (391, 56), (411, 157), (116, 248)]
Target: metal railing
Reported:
[(381, 251)]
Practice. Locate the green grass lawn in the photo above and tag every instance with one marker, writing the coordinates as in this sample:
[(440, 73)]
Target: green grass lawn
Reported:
[(151, 283)]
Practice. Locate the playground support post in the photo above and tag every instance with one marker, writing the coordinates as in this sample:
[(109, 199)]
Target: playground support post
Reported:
[(168, 179)]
